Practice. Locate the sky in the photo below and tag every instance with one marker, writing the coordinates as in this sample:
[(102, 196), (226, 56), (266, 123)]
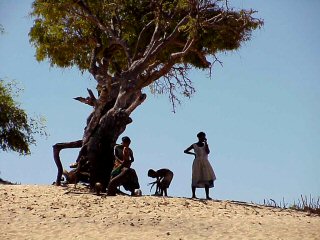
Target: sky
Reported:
[(260, 110)]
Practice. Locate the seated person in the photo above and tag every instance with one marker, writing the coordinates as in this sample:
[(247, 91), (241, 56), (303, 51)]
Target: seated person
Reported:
[(123, 156), (122, 173), (80, 174), (164, 177)]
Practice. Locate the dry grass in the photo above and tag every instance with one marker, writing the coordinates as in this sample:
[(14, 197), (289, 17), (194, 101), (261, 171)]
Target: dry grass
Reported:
[(307, 204)]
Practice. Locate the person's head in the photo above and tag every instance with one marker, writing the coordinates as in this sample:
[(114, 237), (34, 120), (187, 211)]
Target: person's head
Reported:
[(126, 141), (201, 136), (152, 173)]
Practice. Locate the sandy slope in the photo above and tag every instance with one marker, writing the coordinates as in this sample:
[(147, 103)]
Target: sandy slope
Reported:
[(49, 212)]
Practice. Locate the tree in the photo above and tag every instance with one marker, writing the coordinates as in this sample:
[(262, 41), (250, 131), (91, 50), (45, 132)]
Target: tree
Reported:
[(17, 130), (128, 45)]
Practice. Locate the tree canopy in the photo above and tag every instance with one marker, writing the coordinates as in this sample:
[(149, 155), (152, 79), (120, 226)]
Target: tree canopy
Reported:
[(17, 130), (138, 39)]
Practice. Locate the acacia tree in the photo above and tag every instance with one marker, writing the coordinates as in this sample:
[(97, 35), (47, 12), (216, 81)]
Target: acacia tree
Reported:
[(17, 130), (127, 45)]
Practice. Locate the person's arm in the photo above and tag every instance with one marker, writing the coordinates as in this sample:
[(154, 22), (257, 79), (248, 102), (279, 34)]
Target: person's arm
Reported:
[(187, 151), (131, 155), (161, 178), (206, 146), (117, 155)]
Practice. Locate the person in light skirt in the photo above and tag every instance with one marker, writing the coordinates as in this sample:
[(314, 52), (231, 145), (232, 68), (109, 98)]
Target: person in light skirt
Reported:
[(203, 175)]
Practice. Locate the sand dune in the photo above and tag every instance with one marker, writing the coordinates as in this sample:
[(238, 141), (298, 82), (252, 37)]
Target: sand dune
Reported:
[(49, 212)]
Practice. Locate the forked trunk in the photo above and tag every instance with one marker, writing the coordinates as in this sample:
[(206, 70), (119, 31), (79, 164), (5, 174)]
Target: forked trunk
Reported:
[(104, 126)]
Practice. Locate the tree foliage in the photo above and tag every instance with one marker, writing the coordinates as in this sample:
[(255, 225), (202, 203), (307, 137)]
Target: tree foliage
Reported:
[(139, 40), (17, 130)]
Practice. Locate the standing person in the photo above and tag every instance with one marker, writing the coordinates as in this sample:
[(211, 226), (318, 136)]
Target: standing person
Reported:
[(122, 173), (203, 175)]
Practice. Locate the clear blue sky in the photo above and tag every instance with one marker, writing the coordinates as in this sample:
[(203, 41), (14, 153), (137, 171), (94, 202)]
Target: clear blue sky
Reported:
[(260, 110)]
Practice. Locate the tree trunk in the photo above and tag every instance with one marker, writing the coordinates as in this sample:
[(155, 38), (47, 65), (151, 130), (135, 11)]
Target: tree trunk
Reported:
[(104, 133), (101, 144), (105, 124)]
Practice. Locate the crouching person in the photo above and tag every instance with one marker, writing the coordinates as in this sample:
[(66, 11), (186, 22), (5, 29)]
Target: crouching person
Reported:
[(126, 178), (164, 177)]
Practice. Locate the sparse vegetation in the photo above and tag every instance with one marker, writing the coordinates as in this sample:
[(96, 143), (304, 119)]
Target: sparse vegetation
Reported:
[(307, 204)]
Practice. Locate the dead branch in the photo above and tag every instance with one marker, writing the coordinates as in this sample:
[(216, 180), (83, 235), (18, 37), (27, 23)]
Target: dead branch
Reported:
[(92, 97), (91, 100), (86, 100), (56, 156)]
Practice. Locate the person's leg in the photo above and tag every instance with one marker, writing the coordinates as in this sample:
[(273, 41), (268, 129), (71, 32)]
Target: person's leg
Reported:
[(115, 182), (160, 191), (161, 188), (131, 182), (165, 183), (193, 192), (71, 177), (207, 192), (157, 192), (165, 192)]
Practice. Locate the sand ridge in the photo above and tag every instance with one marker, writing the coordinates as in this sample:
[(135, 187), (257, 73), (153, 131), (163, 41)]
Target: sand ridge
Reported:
[(50, 212)]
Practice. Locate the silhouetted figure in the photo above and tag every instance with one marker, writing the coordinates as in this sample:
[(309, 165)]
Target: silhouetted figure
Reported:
[(203, 175), (164, 177), (122, 173)]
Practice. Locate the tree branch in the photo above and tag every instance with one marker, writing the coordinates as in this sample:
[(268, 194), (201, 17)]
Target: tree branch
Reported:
[(154, 47), (108, 31), (56, 156), (148, 79), (94, 121), (91, 100), (152, 40), (140, 35), (184, 51), (162, 44), (140, 97), (166, 67)]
